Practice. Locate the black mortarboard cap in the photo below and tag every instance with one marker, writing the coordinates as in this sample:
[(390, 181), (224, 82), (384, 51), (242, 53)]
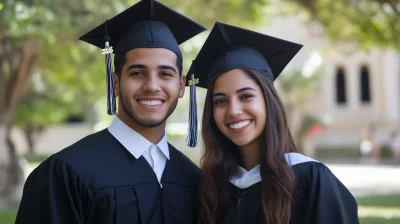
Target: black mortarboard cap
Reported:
[(229, 47), (147, 24)]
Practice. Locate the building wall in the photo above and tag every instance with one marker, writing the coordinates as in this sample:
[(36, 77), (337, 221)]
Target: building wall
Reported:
[(346, 123)]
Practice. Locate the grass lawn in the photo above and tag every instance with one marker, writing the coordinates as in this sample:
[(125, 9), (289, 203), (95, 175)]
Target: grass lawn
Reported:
[(7, 217), (35, 158), (379, 221), (372, 210), (380, 201), (379, 209)]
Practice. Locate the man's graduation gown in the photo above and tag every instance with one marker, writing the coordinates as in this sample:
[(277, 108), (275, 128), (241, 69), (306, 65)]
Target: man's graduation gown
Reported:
[(319, 198), (96, 180)]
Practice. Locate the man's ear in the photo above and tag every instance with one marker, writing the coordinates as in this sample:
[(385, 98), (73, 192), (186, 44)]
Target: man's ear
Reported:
[(116, 85), (182, 86)]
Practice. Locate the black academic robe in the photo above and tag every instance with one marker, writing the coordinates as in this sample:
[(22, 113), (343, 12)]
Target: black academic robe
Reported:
[(96, 180), (319, 198)]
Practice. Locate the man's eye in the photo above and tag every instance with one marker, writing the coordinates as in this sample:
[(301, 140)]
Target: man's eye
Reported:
[(136, 73), (166, 74)]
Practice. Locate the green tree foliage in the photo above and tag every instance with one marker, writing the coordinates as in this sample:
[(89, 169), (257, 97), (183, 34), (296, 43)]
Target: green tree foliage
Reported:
[(367, 22)]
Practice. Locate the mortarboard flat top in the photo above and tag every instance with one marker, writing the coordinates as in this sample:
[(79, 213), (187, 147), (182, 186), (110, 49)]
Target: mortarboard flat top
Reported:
[(229, 47), (147, 24)]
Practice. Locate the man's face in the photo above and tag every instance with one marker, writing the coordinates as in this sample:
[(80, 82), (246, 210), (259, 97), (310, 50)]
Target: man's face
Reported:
[(149, 86)]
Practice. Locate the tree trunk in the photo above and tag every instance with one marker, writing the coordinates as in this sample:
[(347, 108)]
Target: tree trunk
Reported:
[(29, 132), (11, 172), (32, 132), (4, 159), (19, 62), (31, 143)]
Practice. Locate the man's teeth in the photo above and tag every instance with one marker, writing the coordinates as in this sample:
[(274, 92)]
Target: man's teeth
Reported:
[(239, 125), (150, 102)]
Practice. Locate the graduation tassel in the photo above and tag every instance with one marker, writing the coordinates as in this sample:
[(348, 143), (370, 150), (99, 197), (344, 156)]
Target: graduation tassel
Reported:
[(107, 51), (192, 137), (151, 14)]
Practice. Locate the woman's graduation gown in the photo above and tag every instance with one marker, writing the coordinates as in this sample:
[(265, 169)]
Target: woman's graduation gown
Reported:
[(319, 197), (97, 180)]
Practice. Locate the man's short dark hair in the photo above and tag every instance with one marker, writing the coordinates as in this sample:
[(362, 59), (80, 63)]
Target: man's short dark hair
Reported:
[(122, 61)]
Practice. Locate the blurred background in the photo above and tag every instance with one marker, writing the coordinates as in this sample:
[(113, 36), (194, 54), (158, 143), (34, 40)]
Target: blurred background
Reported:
[(341, 92)]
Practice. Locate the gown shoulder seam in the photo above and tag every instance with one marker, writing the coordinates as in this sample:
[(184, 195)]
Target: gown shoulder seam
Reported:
[(74, 172)]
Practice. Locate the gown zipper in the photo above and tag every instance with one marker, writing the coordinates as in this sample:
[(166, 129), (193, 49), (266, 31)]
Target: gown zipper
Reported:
[(238, 204), (161, 203)]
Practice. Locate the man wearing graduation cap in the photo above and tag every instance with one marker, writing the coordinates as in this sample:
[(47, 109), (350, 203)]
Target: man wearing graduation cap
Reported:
[(127, 173)]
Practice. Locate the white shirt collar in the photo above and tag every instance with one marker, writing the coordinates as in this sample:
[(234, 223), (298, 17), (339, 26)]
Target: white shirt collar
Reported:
[(244, 179), (135, 143)]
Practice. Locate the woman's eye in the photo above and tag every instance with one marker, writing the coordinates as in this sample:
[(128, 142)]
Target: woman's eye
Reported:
[(219, 101), (246, 96)]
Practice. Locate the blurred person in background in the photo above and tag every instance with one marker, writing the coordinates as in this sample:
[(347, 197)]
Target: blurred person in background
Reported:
[(394, 145), (366, 147)]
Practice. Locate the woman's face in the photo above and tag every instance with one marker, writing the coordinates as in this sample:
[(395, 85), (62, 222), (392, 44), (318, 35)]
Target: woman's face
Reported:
[(239, 108)]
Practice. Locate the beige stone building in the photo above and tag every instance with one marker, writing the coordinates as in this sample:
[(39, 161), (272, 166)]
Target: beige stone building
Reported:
[(360, 90)]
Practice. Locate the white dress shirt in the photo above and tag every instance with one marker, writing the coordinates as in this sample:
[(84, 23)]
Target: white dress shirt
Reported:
[(137, 145), (244, 179)]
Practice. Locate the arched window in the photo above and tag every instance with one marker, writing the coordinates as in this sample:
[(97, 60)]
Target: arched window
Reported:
[(340, 86), (365, 85)]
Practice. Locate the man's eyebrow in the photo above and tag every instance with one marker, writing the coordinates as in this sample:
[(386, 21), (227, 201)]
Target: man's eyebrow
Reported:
[(135, 66), (168, 67)]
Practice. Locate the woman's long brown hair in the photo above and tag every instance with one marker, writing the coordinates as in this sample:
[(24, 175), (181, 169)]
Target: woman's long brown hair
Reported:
[(220, 158)]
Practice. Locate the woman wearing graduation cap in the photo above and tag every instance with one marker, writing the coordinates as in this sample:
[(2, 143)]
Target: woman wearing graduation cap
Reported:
[(251, 171)]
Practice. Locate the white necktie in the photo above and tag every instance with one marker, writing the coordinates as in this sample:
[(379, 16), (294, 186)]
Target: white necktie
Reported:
[(153, 156)]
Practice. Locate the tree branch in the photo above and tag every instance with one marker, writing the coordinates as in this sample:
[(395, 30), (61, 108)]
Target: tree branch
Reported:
[(391, 3), (2, 86), (310, 6), (20, 78), (43, 96), (4, 52)]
